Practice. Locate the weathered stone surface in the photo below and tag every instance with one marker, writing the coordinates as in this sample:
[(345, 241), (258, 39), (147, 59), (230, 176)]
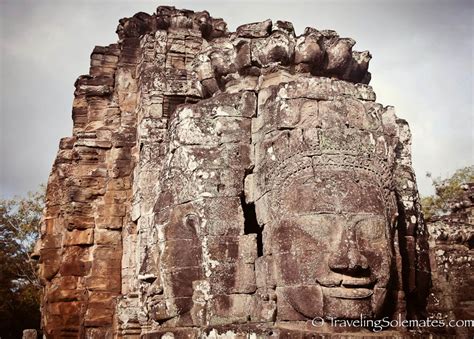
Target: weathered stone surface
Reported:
[(29, 334), (229, 183), (452, 266), (255, 30)]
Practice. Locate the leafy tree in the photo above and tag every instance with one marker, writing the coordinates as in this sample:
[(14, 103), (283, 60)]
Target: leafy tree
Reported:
[(447, 192), (19, 285)]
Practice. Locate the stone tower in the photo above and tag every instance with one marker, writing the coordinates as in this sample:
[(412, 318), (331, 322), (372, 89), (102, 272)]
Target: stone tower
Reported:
[(237, 183)]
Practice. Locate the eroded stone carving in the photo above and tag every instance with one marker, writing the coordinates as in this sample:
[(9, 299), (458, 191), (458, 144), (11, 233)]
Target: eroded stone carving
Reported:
[(244, 182), (451, 252)]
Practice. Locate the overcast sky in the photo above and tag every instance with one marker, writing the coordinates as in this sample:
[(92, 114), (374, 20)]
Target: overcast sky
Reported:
[(422, 64)]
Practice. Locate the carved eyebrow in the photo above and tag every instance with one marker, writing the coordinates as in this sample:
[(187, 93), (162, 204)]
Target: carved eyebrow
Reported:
[(350, 217), (364, 217), (317, 213), (309, 179), (361, 216), (358, 221)]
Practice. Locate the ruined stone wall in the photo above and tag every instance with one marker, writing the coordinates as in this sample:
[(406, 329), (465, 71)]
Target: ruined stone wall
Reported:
[(158, 215), (98, 204), (452, 265), (88, 199)]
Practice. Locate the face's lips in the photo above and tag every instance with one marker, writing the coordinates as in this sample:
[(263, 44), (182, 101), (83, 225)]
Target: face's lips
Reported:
[(347, 293), (357, 282), (346, 281), (329, 282), (346, 287)]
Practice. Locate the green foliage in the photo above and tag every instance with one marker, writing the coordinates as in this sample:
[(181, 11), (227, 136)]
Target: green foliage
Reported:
[(447, 191), (19, 285)]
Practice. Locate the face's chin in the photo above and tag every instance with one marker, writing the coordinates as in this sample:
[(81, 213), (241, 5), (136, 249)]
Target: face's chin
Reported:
[(353, 303), (335, 302), (345, 303)]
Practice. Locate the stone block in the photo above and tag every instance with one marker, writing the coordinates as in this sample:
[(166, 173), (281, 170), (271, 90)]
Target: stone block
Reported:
[(50, 262), (109, 222), (228, 309), (111, 283), (107, 237), (79, 237), (75, 261), (255, 30)]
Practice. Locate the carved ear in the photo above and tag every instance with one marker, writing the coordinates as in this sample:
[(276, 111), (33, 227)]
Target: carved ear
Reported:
[(412, 231)]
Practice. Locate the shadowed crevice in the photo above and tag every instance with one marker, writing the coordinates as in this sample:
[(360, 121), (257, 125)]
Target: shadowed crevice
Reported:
[(251, 225)]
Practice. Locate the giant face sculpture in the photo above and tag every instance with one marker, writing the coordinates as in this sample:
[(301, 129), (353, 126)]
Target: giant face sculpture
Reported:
[(267, 196), (325, 207), (331, 243), (323, 196)]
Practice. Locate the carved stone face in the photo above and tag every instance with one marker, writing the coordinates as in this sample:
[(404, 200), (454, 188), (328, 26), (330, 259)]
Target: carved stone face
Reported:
[(331, 244)]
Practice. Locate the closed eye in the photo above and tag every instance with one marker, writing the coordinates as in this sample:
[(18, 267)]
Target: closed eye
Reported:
[(370, 228)]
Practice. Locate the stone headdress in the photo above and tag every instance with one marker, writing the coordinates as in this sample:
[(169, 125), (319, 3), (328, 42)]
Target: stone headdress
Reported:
[(306, 125)]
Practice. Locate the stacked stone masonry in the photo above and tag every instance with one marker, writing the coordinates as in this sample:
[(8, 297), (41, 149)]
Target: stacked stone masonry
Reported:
[(212, 178), (452, 264)]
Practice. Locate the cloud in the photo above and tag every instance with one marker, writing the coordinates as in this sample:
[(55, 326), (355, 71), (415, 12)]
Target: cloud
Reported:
[(422, 65)]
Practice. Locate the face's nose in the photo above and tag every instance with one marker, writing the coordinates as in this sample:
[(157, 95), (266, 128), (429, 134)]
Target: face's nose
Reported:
[(35, 255), (346, 257)]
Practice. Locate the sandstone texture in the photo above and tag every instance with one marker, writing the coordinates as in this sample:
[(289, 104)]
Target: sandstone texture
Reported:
[(29, 334), (223, 184), (452, 264)]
